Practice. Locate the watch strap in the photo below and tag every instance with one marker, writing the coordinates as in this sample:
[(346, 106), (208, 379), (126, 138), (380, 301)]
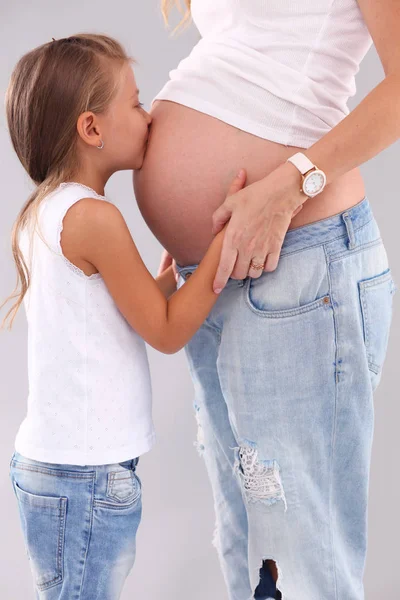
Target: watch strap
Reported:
[(302, 162)]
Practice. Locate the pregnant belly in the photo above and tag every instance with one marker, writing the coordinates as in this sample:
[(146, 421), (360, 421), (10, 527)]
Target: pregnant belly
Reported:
[(190, 162)]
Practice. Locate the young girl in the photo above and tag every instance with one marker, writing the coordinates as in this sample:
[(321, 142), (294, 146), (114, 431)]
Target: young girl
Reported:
[(75, 119)]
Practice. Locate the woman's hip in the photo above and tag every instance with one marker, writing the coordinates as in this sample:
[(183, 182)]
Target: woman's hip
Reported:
[(321, 319)]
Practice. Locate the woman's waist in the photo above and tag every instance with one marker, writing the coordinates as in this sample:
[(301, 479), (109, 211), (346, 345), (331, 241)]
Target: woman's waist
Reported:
[(340, 233), (187, 233), (190, 162), (342, 194)]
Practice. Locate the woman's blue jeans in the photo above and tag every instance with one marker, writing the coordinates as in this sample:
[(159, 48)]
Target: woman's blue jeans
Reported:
[(284, 369)]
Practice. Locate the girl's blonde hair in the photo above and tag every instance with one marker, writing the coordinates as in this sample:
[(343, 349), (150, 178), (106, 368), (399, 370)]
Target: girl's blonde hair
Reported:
[(49, 88), (182, 5)]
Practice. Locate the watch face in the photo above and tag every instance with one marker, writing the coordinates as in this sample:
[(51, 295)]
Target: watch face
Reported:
[(314, 183)]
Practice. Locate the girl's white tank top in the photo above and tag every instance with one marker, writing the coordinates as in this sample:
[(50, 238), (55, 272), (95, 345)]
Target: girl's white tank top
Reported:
[(90, 399)]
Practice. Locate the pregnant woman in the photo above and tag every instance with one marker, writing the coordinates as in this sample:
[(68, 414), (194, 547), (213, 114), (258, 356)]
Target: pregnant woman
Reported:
[(286, 364)]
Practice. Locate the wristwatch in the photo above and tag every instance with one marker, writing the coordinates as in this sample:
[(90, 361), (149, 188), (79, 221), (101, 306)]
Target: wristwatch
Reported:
[(314, 180)]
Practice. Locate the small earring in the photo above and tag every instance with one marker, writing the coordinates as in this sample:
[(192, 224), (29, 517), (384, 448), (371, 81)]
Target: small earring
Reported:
[(102, 145)]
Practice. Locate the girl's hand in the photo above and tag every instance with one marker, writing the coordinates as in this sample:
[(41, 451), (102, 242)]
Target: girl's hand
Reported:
[(166, 262), (259, 217)]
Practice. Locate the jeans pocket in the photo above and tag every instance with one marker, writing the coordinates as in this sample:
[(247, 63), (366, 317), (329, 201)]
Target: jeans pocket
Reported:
[(43, 523), (123, 486), (300, 284), (258, 297), (376, 299)]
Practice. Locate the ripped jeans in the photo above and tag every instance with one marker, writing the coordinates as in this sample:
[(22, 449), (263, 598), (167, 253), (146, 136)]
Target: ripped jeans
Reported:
[(284, 369)]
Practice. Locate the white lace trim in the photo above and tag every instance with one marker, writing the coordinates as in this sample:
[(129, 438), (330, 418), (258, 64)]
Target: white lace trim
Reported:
[(86, 187)]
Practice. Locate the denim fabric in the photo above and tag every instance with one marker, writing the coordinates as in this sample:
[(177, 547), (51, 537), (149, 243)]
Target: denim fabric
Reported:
[(79, 526), (284, 369)]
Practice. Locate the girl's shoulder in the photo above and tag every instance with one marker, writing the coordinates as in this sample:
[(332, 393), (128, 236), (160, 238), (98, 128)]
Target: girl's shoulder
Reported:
[(54, 212)]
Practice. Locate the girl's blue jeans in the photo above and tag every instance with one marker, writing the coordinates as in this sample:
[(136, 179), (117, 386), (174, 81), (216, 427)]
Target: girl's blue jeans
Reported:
[(79, 525)]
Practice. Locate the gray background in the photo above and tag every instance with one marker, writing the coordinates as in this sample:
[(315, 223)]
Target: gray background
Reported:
[(175, 559)]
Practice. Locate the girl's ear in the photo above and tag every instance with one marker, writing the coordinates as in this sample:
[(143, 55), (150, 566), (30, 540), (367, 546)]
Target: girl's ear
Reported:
[(88, 129)]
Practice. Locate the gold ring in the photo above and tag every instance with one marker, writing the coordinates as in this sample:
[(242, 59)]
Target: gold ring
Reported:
[(257, 267)]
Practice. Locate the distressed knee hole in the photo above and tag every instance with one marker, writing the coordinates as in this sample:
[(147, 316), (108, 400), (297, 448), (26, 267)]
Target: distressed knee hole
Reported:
[(268, 585), (261, 479)]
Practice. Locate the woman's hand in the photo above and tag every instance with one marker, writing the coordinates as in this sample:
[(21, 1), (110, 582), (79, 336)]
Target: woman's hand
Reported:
[(259, 219)]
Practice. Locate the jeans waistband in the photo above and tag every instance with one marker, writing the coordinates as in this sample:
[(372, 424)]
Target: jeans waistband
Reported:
[(320, 232), (130, 463)]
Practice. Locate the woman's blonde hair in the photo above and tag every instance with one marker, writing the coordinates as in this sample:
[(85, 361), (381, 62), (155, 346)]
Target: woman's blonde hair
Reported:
[(49, 88), (182, 5)]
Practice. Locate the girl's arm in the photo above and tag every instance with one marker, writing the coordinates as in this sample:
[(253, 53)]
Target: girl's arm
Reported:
[(102, 238)]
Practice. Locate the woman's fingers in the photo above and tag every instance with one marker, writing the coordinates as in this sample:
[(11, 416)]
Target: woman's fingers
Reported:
[(271, 258), (271, 253), (271, 261), (259, 217), (223, 213)]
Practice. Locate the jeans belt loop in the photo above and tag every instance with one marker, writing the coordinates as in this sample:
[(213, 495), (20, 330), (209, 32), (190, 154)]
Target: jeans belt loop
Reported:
[(351, 243)]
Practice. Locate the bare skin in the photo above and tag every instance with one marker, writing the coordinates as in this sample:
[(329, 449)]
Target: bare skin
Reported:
[(190, 161), (196, 152)]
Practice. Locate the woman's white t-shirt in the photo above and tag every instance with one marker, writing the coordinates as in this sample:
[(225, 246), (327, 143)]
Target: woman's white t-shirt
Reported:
[(282, 70), (90, 399)]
